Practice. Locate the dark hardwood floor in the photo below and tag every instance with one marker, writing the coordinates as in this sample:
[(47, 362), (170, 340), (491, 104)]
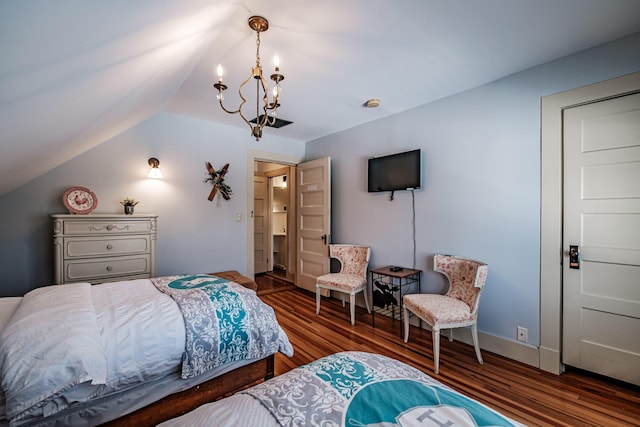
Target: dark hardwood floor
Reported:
[(272, 282), (524, 393)]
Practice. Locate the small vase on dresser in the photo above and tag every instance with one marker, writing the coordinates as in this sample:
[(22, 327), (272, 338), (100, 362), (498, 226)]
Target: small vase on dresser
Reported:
[(100, 248)]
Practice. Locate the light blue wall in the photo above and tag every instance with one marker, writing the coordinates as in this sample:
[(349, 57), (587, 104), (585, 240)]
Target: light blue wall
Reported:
[(194, 235), (480, 196), (481, 185)]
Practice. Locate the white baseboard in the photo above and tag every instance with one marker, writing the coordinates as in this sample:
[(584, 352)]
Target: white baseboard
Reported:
[(514, 350), (550, 360)]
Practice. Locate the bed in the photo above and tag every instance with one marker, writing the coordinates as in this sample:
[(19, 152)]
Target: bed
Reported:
[(78, 354), (346, 389)]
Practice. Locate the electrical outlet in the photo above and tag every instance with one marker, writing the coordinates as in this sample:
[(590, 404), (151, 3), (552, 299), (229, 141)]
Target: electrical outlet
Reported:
[(522, 334)]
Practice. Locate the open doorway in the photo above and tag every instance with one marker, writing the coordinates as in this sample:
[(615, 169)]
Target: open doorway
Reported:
[(274, 219), (279, 224), (308, 225), (254, 156)]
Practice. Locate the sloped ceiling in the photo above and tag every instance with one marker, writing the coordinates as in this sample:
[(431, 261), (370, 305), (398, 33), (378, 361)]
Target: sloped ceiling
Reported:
[(74, 73)]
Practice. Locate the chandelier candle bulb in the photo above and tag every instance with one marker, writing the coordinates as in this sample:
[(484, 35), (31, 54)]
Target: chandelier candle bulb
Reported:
[(276, 62), (220, 73)]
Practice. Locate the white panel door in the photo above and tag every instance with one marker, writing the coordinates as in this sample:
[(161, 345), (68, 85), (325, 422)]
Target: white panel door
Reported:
[(601, 320), (261, 228), (314, 221)]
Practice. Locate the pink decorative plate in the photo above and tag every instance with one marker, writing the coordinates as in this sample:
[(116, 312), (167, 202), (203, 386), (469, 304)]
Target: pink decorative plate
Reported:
[(79, 200)]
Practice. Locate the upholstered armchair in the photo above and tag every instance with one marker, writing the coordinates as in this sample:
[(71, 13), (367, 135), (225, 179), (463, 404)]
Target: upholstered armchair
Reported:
[(352, 277), (457, 308)]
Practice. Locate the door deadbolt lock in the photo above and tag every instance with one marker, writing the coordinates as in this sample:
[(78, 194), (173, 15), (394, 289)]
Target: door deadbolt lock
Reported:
[(574, 257)]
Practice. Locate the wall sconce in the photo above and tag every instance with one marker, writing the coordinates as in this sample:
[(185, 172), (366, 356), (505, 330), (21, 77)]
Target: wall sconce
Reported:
[(284, 182), (154, 172)]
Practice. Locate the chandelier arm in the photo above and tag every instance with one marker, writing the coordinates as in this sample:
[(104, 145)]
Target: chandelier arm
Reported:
[(259, 123), (271, 120), (245, 119), (265, 100), (273, 106), (244, 100), (239, 112), (267, 119), (228, 111)]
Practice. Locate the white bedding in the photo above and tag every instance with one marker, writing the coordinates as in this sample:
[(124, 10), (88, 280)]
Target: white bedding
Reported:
[(239, 410), (8, 306), (40, 372), (141, 330), (346, 389)]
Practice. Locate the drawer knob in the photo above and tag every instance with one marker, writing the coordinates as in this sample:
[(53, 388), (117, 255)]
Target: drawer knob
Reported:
[(109, 246), (109, 268)]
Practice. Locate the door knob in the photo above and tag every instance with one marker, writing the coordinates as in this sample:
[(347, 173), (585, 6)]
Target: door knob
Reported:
[(574, 257)]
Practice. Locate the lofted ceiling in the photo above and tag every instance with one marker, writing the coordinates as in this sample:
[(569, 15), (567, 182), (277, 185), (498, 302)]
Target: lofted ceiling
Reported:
[(75, 73)]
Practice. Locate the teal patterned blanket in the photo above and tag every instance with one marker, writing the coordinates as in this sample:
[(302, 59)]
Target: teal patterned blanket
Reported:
[(224, 322), (363, 389)]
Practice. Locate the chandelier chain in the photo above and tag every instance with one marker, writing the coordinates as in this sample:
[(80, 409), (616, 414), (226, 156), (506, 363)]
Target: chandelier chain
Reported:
[(258, 49)]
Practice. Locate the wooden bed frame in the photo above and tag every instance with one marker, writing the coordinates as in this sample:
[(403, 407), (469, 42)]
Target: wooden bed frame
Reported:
[(182, 402), (214, 389)]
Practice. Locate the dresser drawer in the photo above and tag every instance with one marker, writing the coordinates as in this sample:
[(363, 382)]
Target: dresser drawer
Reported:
[(100, 248), (86, 270), (84, 247), (105, 226)]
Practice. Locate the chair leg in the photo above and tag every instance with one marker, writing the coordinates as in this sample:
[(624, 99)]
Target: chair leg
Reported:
[(474, 335), (436, 349), (405, 316), (342, 298), (317, 300), (451, 335), (352, 306)]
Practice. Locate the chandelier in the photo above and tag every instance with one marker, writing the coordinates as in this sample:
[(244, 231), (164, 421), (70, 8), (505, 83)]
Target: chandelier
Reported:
[(268, 115)]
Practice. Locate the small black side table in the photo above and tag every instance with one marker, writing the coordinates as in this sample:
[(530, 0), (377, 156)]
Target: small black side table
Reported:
[(388, 287)]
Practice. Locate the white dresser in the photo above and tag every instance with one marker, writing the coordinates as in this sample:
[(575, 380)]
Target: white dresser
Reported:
[(99, 248)]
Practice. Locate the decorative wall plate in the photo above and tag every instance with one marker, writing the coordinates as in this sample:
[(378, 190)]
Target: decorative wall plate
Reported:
[(79, 200)]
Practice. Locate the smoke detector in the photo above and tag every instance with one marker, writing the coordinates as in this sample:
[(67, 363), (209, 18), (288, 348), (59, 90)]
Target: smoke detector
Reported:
[(372, 103)]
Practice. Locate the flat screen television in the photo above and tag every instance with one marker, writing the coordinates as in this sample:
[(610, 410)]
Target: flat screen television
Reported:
[(394, 172)]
